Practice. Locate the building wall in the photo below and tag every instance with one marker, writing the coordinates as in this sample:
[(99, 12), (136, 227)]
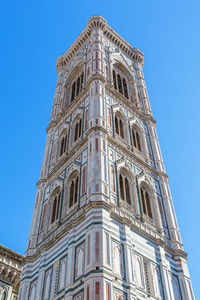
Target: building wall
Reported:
[(10, 271), (103, 225)]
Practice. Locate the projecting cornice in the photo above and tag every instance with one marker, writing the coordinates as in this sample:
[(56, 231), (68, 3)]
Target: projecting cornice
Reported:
[(94, 23)]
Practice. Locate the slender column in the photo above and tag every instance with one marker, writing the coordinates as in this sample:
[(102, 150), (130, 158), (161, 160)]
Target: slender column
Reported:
[(171, 218), (156, 148)]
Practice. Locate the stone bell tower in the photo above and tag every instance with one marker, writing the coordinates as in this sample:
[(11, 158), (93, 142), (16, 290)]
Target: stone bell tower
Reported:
[(103, 225)]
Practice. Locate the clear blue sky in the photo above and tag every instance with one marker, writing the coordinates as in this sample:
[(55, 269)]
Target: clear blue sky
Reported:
[(34, 33)]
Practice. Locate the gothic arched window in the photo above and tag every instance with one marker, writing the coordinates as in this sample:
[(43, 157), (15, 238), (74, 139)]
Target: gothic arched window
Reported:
[(55, 208), (63, 144), (77, 86), (3, 296), (120, 84), (119, 126), (73, 192), (124, 187), (146, 202), (77, 130), (73, 91), (136, 139)]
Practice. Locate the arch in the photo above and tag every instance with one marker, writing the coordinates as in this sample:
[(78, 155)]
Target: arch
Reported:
[(55, 200), (43, 216), (71, 191), (138, 270), (176, 289), (32, 292), (62, 273), (47, 284), (118, 267), (121, 77), (146, 196), (3, 296), (62, 142), (77, 128), (136, 133), (125, 185), (80, 261), (139, 139), (75, 82), (120, 125)]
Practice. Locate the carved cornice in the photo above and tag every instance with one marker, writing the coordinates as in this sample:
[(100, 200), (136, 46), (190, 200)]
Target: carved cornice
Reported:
[(10, 254), (119, 147), (125, 217), (98, 22), (122, 100)]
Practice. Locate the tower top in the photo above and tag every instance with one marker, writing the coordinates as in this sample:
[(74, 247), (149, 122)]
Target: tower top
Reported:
[(98, 22)]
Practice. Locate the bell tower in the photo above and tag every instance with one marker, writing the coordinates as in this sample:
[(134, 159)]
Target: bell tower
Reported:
[(103, 225)]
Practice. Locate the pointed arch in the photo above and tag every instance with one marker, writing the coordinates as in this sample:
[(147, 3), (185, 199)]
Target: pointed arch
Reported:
[(55, 199), (62, 142), (125, 186), (120, 125), (3, 296), (43, 216), (146, 199), (71, 191), (77, 128), (136, 137), (121, 79), (118, 259), (75, 82), (80, 261)]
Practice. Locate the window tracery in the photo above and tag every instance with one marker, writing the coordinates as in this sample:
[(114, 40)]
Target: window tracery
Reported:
[(119, 126), (124, 187), (136, 139), (3, 297), (77, 130), (146, 202), (55, 208), (77, 86), (63, 144), (120, 84), (73, 194)]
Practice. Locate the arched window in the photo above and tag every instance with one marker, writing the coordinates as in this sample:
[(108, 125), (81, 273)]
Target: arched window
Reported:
[(73, 193), (55, 208), (32, 292), (124, 186), (77, 86), (125, 88), (136, 139), (3, 296), (43, 216), (77, 130), (80, 261), (119, 127), (63, 144), (73, 91), (119, 81), (146, 202), (138, 270), (120, 84), (118, 268)]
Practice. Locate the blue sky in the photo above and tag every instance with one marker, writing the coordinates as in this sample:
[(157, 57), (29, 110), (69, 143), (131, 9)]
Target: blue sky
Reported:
[(33, 35)]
